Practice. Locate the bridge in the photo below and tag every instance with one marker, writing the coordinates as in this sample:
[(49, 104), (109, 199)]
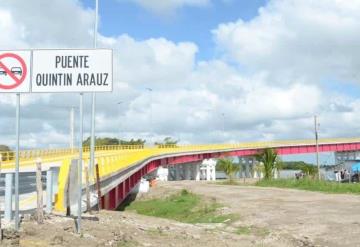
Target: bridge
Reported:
[(121, 168)]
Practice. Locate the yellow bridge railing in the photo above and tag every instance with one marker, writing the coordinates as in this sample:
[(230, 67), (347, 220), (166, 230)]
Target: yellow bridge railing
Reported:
[(56, 152), (27, 156)]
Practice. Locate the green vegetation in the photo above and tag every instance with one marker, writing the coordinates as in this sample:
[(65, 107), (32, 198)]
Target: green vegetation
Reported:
[(250, 230), (167, 142), (308, 169), (156, 231), (228, 167), (270, 161), (184, 207), (294, 165), (312, 185), (4, 148), (113, 141), (228, 182), (243, 230), (6, 153), (129, 243)]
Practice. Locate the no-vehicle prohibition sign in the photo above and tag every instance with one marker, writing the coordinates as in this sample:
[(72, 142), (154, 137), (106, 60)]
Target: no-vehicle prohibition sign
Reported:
[(14, 71)]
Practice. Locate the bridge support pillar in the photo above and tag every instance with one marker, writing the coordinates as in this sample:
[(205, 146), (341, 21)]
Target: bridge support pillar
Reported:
[(208, 174), (197, 172), (49, 190), (247, 169), (276, 173), (213, 173), (187, 168), (8, 196), (177, 172)]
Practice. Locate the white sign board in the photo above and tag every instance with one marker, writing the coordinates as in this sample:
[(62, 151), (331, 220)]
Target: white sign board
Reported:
[(15, 71), (59, 71)]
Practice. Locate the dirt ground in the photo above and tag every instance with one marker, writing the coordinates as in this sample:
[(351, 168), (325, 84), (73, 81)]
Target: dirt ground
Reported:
[(266, 217)]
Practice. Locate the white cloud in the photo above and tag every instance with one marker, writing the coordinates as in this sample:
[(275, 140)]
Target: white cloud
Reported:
[(14, 33), (152, 61), (297, 39), (166, 7), (45, 24)]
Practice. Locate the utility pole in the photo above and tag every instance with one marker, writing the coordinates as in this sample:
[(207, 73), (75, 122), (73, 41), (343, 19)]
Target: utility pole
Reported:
[(317, 145), (119, 104), (71, 123), (223, 124), (151, 115), (93, 101), (72, 128), (92, 136)]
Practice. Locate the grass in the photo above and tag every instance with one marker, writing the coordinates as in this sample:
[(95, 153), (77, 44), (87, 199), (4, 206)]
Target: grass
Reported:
[(229, 182), (243, 230), (250, 230), (128, 244), (312, 185), (184, 207), (156, 231)]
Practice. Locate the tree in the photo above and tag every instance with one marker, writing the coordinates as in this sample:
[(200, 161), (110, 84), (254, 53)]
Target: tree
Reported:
[(269, 158), (259, 169), (4, 148), (294, 165), (101, 141), (278, 165), (167, 142), (140, 142), (6, 153), (310, 170), (228, 166), (106, 141)]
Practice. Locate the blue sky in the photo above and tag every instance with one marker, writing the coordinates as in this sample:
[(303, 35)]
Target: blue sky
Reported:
[(187, 24)]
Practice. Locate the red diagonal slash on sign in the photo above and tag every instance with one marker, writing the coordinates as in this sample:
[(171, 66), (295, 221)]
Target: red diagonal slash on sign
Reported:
[(22, 64)]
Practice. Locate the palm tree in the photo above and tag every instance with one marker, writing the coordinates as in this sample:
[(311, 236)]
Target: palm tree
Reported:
[(278, 165), (270, 160), (259, 169), (228, 166), (309, 170)]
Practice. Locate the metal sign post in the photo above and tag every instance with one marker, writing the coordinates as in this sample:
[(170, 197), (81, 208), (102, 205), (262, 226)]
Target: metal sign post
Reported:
[(317, 145), (14, 78), (81, 108), (93, 102), (72, 128), (17, 162)]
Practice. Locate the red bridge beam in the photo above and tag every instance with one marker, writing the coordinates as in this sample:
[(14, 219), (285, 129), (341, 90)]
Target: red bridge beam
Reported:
[(118, 194)]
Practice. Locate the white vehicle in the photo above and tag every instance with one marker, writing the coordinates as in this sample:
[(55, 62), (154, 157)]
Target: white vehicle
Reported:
[(2, 71), (16, 70)]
